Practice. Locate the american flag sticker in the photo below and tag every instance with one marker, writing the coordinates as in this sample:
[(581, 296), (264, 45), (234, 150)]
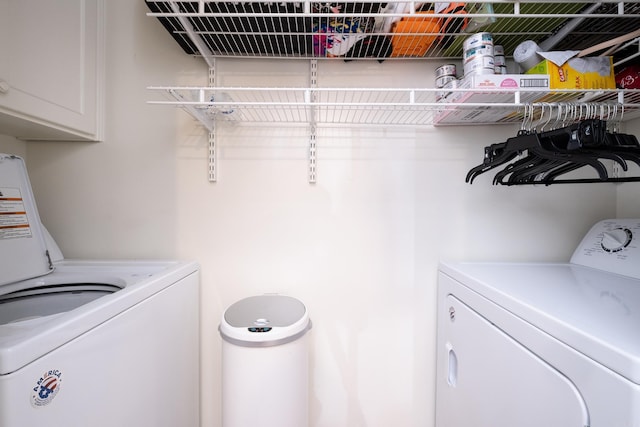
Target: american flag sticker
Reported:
[(46, 388)]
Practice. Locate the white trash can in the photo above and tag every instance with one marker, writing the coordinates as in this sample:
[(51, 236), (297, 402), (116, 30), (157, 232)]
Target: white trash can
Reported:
[(265, 363)]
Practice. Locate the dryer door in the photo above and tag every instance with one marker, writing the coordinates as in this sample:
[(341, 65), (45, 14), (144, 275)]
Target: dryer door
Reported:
[(488, 379)]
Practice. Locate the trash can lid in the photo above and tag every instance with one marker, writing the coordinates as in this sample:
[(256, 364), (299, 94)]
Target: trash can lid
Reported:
[(264, 320)]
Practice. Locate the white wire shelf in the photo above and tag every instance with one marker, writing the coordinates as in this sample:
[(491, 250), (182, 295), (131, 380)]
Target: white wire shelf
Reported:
[(376, 106), (385, 30), (293, 29)]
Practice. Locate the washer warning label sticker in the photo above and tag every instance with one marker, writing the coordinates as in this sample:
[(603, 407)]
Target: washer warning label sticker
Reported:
[(13, 215), (46, 388)]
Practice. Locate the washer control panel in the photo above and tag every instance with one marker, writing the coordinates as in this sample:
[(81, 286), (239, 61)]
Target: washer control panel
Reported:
[(612, 245)]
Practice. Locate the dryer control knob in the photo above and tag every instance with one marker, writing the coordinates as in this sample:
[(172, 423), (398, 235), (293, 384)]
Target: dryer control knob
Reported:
[(616, 240)]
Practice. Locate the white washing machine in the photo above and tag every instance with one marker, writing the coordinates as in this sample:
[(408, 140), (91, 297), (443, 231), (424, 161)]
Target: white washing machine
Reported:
[(543, 344), (90, 343)]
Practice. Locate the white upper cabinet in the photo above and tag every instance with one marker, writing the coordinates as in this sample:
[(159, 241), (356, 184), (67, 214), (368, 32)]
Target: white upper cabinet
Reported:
[(52, 69)]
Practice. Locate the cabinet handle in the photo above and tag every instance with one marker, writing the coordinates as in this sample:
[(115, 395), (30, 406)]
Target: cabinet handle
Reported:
[(4, 86)]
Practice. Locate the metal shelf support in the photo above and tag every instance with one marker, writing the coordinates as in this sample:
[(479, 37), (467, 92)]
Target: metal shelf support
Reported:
[(212, 131), (313, 77)]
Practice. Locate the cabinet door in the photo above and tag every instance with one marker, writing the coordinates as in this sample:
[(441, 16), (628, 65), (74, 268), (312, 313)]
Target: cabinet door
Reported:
[(51, 69)]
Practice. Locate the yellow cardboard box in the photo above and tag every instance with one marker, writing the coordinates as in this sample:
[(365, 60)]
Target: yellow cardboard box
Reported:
[(578, 73)]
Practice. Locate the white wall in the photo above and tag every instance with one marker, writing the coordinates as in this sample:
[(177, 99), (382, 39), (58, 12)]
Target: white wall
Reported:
[(360, 247), (628, 201), (11, 145)]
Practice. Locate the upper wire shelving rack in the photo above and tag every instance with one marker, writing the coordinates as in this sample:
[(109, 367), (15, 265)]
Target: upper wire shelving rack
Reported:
[(292, 29), (289, 29)]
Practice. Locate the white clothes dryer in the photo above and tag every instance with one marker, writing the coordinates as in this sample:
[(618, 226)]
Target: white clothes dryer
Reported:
[(543, 344), (90, 343)]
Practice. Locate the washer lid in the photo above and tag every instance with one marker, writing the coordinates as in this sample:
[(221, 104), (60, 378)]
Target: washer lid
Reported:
[(23, 252)]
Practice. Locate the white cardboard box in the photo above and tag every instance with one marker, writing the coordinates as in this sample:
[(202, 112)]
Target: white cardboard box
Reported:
[(494, 89)]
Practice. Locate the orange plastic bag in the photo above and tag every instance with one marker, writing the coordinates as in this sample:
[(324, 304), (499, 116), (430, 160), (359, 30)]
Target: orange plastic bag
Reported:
[(413, 36)]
